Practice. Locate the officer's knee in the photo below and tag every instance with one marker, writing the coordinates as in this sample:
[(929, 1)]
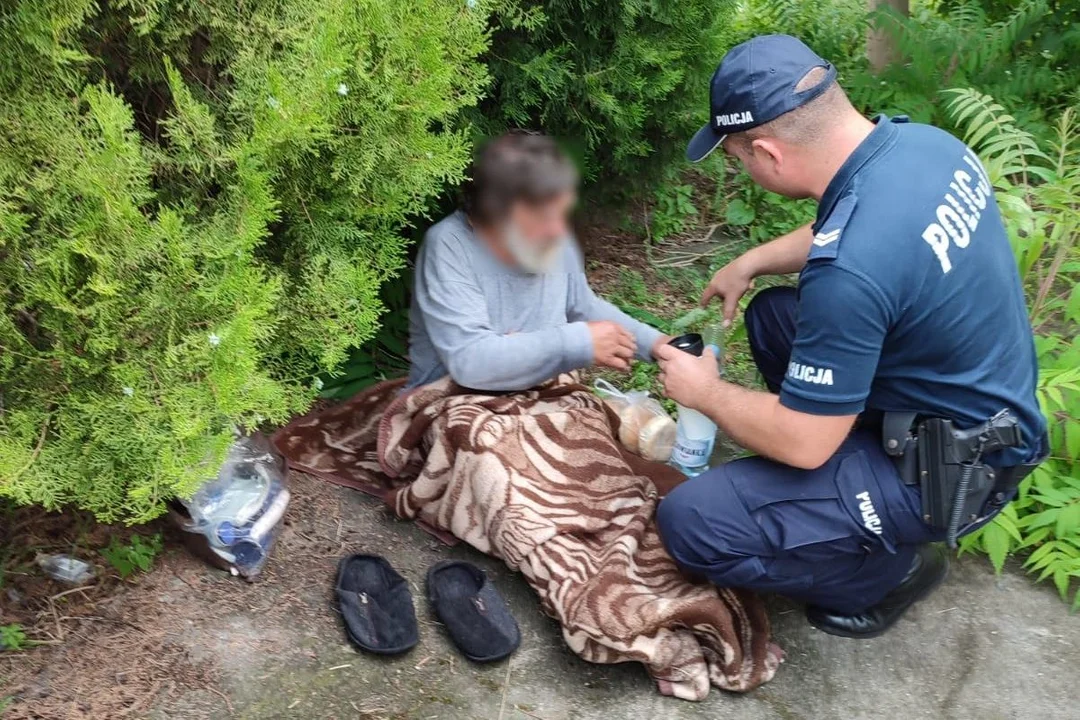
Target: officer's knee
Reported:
[(708, 532), (681, 520), (764, 306), (671, 515)]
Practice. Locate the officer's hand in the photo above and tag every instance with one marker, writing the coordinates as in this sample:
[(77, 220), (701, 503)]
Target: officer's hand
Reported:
[(660, 341), (729, 284), (613, 345), (686, 377)]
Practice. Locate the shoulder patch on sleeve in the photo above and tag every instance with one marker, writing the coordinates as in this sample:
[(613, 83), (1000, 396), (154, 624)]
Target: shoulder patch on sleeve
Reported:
[(826, 245)]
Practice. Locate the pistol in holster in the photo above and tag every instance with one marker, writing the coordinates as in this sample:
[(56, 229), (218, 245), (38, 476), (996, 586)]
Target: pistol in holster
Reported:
[(947, 464)]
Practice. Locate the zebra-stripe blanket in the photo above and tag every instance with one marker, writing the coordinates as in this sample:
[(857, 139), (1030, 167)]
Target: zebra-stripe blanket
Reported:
[(537, 479)]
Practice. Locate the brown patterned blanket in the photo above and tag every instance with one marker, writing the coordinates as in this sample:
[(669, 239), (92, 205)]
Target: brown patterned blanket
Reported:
[(537, 479)]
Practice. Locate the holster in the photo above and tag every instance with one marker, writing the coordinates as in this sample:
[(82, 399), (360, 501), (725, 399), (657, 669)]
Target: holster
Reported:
[(942, 466), (957, 487)]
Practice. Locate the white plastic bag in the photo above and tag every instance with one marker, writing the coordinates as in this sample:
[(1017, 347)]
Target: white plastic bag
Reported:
[(644, 427), (66, 569)]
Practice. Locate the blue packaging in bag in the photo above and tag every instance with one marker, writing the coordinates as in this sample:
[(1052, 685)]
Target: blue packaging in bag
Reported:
[(239, 512)]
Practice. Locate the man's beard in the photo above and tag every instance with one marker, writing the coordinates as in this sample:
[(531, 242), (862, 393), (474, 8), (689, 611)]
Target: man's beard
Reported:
[(530, 257)]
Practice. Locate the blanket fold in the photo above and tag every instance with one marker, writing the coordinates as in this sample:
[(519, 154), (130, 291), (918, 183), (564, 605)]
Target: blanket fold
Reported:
[(537, 479)]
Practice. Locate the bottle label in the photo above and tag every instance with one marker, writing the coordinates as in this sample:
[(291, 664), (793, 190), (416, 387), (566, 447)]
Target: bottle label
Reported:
[(691, 453)]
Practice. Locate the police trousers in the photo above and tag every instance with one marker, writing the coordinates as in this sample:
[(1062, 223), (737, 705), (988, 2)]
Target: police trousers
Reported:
[(840, 536)]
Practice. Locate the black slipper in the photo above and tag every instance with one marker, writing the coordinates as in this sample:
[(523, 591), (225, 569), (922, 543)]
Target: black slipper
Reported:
[(473, 611), (376, 605)]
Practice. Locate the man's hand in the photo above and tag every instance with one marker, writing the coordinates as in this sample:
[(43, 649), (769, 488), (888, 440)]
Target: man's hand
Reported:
[(687, 378), (786, 254), (730, 283), (613, 345)]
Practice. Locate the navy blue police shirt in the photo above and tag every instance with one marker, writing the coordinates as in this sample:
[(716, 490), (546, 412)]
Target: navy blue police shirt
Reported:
[(910, 299)]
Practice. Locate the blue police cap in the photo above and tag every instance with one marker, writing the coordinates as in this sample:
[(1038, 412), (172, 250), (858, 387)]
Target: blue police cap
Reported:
[(755, 83)]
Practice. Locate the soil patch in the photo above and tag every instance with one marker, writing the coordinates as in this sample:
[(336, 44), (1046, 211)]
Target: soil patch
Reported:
[(115, 647)]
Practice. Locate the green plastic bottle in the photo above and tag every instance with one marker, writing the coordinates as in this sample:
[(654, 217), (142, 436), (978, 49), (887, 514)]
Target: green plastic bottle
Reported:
[(714, 338)]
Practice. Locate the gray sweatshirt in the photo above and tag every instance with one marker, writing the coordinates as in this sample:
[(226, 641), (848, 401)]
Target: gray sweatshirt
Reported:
[(492, 327)]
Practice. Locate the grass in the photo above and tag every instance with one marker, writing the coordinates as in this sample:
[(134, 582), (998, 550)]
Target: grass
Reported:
[(12, 637)]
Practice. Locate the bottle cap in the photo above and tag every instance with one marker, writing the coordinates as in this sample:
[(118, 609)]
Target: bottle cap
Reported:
[(690, 342), (249, 554)]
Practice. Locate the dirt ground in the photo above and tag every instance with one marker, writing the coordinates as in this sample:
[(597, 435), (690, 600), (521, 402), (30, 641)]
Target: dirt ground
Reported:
[(189, 641)]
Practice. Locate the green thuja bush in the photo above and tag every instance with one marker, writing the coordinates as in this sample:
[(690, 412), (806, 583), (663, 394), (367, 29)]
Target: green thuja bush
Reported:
[(835, 29), (622, 82), (199, 202)]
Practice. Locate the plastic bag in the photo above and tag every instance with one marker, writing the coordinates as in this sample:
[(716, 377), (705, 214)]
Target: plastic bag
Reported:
[(644, 427), (65, 569), (239, 512)]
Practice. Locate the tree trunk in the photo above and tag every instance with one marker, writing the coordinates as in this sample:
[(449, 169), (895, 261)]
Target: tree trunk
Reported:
[(881, 48)]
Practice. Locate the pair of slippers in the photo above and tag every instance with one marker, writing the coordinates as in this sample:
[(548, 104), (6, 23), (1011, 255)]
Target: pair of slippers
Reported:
[(377, 607)]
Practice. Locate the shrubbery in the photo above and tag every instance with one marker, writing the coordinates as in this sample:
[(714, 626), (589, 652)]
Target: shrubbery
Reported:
[(198, 204), (1023, 53), (623, 83)]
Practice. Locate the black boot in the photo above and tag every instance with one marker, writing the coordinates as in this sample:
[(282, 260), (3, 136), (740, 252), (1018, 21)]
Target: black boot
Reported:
[(928, 570)]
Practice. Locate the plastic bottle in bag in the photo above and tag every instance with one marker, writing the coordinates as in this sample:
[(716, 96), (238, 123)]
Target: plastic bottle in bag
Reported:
[(239, 512)]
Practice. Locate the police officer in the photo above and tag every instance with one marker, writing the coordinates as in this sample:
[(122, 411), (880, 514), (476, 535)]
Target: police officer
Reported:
[(908, 303)]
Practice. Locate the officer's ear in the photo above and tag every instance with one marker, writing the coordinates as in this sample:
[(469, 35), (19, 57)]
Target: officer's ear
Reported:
[(766, 151)]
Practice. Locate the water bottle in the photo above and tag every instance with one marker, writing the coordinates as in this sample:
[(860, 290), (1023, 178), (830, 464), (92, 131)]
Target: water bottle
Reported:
[(695, 433)]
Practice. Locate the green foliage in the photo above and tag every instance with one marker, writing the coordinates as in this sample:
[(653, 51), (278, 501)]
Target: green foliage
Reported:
[(739, 212), (763, 214), (633, 296), (622, 82), (835, 29), (673, 210), (1038, 188), (384, 356), (137, 554), (1023, 53), (12, 637), (1025, 57), (198, 205)]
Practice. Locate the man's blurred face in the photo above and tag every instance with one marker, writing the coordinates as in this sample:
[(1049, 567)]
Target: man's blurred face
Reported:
[(536, 232)]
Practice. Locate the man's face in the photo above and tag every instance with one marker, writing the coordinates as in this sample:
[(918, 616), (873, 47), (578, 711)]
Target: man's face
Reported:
[(536, 232), (767, 164)]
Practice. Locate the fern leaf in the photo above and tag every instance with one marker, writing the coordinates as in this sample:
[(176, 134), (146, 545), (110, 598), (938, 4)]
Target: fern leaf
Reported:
[(991, 130)]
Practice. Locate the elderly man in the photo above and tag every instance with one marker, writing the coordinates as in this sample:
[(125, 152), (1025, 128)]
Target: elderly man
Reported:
[(501, 301)]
